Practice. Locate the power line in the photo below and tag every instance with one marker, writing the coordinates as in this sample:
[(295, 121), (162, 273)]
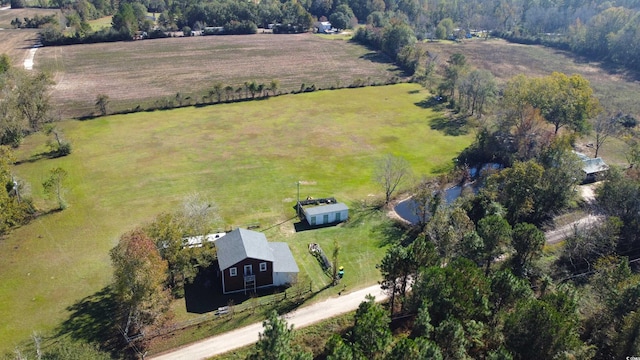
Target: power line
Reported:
[(589, 272)]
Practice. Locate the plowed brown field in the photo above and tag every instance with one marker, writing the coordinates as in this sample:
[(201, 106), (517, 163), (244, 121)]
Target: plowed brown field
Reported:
[(16, 43), (140, 72)]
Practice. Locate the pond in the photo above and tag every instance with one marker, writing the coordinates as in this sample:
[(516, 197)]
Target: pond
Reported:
[(406, 209)]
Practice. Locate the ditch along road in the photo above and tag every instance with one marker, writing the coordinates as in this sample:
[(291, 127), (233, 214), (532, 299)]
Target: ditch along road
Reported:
[(226, 342), (248, 335)]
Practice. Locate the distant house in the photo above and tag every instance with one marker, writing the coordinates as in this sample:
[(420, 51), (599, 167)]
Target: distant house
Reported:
[(323, 211), (324, 27), (247, 261), (593, 168), (213, 30)]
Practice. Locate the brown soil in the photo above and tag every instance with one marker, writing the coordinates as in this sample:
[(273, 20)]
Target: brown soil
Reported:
[(132, 73), (16, 44)]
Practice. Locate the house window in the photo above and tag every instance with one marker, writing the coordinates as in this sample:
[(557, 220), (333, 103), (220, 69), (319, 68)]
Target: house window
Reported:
[(313, 220), (325, 219), (337, 216), (233, 271), (263, 266)]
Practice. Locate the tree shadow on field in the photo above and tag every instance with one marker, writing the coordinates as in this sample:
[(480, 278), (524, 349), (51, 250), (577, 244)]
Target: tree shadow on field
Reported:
[(435, 103), (93, 319), (30, 43), (362, 212), (39, 156), (452, 125), (382, 58), (390, 233), (376, 57)]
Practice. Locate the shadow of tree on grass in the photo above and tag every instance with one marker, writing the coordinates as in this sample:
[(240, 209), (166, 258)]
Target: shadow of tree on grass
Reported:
[(452, 126), (93, 319)]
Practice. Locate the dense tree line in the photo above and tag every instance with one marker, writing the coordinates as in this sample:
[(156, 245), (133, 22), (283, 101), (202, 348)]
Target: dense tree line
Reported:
[(34, 22), (474, 283), (130, 19), (602, 29)]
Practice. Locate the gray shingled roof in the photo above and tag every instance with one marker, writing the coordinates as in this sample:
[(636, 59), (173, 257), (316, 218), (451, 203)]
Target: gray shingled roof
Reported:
[(284, 261), (240, 244), (325, 209)]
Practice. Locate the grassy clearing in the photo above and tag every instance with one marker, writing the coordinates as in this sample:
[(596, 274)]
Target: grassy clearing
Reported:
[(101, 23), (141, 72), (126, 169)]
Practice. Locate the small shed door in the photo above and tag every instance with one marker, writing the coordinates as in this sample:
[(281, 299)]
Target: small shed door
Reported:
[(337, 216), (325, 219)]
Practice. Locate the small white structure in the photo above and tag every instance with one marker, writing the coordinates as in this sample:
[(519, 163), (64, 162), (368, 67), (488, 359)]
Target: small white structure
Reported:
[(285, 269), (323, 211), (324, 27), (197, 241), (593, 168)]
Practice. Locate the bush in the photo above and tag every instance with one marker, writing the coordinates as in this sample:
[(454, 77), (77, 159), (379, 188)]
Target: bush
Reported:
[(64, 149), (52, 37), (240, 28), (17, 4)]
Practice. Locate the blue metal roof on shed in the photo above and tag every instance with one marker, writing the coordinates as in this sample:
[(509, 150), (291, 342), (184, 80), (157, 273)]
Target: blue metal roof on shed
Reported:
[(325, 209)]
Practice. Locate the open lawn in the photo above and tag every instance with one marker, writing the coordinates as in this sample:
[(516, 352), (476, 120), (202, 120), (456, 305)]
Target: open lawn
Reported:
[(248, 156), (101, 23), (138, 73)]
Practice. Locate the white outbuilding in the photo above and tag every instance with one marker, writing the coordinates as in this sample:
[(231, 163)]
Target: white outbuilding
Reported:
[(324, 211)]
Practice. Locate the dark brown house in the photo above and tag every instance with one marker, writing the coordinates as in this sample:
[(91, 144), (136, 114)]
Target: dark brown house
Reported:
[(248, 262)]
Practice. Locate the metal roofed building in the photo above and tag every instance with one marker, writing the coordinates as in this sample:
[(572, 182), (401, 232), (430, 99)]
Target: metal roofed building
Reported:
[(323, 211), (247, 261)]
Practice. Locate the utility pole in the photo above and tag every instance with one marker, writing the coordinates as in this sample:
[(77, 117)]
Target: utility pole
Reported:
[(15, 187), (298, 203)]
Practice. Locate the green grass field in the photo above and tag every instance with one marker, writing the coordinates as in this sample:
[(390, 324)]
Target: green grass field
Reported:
[(247, 156), (101, 23)]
